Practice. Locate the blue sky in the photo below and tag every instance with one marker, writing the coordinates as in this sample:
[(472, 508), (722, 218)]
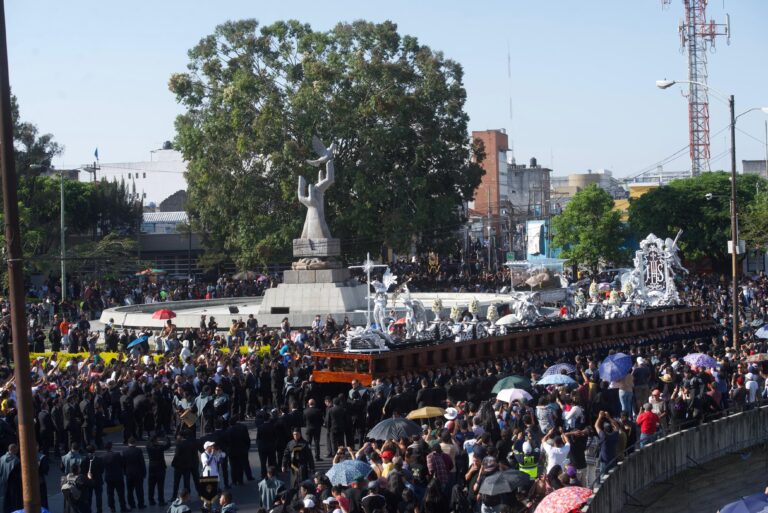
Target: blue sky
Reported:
[(582, 72)]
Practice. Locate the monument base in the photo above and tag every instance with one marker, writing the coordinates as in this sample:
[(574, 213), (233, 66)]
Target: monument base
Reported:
[(313, 298), (316, 248)]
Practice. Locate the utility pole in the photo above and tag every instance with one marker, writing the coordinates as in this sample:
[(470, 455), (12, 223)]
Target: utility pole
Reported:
[(27, 443), (734, 229)]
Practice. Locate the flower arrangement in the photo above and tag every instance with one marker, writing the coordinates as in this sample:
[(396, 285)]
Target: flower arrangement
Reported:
[(593, 291), (580, 300), (108, 356), (455, 313), (474, 306), (437, 306), (628, 288), (614, 299), (492, 314)]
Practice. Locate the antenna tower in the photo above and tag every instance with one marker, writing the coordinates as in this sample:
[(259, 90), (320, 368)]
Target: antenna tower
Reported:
[(697, 36)]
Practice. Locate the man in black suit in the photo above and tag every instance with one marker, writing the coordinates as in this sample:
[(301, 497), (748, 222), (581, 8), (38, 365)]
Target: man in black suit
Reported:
[(113, 476), (88, 415), (45, 429), (135, 472), (156, 480), (93, 470), (185, 464), (239, 446), (338, 425), (327, 424), (313, 419), (265, 441)]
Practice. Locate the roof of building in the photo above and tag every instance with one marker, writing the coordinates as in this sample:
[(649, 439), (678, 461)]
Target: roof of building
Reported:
[(165, 217)]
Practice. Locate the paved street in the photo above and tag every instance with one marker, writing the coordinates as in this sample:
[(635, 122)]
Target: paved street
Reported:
[(706, 489), (245, 495)]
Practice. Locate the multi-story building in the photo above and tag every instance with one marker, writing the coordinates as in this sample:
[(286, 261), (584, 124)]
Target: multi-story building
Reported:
[(509, 196)]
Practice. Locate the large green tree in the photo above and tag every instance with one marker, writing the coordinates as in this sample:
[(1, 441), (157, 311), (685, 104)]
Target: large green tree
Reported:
[(683, 205), (254, 96), (589, 230), (754, 222)]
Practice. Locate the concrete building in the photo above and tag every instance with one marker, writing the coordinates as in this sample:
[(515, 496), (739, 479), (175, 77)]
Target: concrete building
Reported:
[(151, 181), (564, 187), (166, 247), (755, 167), (509, 196)]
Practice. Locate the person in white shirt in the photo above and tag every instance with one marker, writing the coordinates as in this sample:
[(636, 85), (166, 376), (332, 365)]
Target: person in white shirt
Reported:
[(751, 386), (558, 451), (210, 459)]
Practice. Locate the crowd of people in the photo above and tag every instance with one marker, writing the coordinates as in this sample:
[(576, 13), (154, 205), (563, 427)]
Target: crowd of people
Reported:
[(197, 394)]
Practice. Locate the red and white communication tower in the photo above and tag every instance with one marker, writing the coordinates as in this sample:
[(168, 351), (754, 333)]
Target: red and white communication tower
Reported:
[(697, 35)]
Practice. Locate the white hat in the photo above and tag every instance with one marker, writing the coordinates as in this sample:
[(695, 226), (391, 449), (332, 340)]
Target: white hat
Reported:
[(208, 444), (451, 413), (185, 343), (309, 503), (750, 376), (527, 447)]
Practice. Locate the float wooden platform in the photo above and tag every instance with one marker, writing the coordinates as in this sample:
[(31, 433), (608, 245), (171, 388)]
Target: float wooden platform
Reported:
[(341, 367)]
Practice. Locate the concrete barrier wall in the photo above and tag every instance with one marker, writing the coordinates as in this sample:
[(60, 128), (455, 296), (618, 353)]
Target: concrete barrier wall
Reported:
[(675, 453)]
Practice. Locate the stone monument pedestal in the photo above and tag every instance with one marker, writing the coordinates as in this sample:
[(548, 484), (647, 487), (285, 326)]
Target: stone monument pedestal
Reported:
[(316, 285)]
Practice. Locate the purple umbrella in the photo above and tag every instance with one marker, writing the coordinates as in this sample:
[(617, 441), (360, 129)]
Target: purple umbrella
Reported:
[(615, 367), (700, 360)]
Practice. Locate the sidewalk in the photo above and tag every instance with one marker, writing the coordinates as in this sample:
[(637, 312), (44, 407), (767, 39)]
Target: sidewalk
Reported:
[(706, 489)]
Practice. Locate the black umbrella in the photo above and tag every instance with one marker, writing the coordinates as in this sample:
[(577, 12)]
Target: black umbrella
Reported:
[(517, 479), (396, 427), (496, 484)]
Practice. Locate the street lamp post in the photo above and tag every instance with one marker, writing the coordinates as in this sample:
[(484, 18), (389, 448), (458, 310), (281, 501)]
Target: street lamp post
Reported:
[(665, 84)]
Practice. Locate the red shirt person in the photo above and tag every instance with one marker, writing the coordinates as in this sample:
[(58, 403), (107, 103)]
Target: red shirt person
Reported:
[(648, 422)]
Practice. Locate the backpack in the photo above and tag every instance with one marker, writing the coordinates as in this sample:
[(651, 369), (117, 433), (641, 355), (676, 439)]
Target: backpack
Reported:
[(69, 488)]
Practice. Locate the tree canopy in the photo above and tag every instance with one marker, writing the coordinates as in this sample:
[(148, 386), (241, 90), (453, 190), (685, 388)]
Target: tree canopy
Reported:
[(589, 231), (682, 205), (254, 96), (753, 222)]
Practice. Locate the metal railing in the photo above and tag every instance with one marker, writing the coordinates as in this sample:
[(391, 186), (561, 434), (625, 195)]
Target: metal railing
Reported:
[(728, 431)]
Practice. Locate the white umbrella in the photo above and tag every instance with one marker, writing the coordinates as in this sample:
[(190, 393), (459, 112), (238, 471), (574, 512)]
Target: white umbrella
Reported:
[(513, 394), (761, 333), (508, 319)]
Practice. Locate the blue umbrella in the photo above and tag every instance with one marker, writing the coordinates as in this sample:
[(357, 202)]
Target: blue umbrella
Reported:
[(558, 368), (138, 341), (344, 472), (700, 360), (615, 367), (756, 503), (556, 379)]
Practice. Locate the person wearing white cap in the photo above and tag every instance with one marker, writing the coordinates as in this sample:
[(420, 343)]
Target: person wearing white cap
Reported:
[(333, 505), (211, 460), (451, 413)]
